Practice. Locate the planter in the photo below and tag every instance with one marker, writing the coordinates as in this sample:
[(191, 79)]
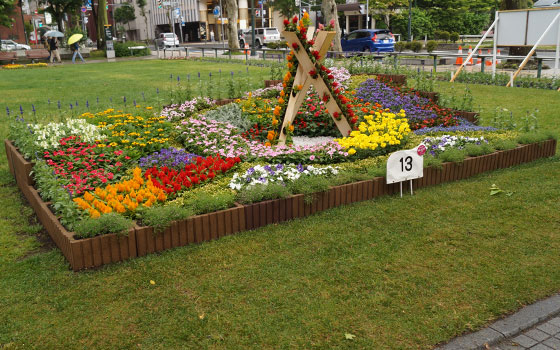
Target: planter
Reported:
[(271, 83), (433, 96), (470, 116), (397, 79), (224, 101), (140, 241)]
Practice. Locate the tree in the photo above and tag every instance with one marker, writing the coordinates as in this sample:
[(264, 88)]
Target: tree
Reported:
[(59, 7), (421, 24), (330, 13), (125, 14), (387, 8), (287, 8), (142, 6), (7, 8), (230, 8)]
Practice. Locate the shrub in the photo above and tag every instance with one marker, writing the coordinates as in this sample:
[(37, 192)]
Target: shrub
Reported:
[(431, 46), (106, 223), (122, 49), (400, 46), (277, 44), (454, 37), (230, 113), (408, 45), (533, 137), (442, 35), (452, 155), (503, 145), (161, 217), (202, 203), (308, 186), (416, 46), (259, 193), (432, 162), (97, 54)]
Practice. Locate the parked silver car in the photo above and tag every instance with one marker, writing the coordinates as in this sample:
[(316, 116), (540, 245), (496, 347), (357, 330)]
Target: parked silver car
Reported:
[(167, 40), (10, 45), (263, 36)]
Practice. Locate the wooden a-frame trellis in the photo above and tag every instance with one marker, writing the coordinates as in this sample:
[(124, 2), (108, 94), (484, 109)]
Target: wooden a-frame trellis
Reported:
[(303, 78)]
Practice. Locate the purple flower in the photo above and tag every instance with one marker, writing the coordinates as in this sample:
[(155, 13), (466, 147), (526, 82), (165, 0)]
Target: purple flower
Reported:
[(170, 157)]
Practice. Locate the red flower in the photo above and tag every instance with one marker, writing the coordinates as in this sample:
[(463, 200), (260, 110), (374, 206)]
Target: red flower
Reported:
[(286, 22), (295, 46), (294, 19)]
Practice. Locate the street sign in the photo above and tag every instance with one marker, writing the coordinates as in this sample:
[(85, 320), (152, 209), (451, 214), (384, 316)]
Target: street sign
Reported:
[(84, 9), (48, 18), (216, 11), (177, 12)]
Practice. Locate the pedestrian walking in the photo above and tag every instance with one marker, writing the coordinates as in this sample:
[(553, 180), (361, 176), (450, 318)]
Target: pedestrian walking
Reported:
[(53, 45), (76, 49)]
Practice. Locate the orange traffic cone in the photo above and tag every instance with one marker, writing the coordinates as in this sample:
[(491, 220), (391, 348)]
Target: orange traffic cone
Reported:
[(470, 62), (247, 51), (459, 60), (479, 60), (489, 60), (498, 59)]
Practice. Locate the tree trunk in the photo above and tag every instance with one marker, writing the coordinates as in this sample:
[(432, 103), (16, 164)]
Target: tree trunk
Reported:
[(329, 11), (231, 10), (101, 21)]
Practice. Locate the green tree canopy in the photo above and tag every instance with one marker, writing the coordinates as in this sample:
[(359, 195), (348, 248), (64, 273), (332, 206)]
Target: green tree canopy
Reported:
[(287, 8), (59, 7), (124, 14), (6, 10)]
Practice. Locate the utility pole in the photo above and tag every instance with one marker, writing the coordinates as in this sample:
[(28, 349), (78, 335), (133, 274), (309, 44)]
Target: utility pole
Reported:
[(222, 24)]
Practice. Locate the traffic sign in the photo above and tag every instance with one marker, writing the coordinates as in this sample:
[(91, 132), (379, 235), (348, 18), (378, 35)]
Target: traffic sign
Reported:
[(177, 12), (216, 11), (84, 9)]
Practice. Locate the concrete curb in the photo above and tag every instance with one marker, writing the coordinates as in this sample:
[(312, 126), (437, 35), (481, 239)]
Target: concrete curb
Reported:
[(508, 327)]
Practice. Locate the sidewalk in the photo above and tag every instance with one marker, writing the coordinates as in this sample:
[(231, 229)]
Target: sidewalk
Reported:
[(535, 327)]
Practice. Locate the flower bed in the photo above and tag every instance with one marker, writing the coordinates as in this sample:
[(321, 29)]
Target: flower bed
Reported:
[(139, 241), (194, 171)]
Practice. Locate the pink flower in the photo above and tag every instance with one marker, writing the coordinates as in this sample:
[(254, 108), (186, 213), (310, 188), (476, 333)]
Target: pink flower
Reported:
[(331, 23), (312, 157)]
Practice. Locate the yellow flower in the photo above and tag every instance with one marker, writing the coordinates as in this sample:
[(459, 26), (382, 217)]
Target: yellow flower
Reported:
[(351, 151)]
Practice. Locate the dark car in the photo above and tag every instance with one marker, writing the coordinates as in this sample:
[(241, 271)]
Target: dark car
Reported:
[(369, 40)]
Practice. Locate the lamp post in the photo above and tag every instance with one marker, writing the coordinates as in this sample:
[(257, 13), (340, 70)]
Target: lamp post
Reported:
[(409, 20), (253, 43)]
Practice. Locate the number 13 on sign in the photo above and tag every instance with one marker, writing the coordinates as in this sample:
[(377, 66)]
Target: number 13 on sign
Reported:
[(405, 166)]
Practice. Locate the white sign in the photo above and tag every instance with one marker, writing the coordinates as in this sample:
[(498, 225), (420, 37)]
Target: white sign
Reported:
[(525, 27), (48, 18), (405, 165)]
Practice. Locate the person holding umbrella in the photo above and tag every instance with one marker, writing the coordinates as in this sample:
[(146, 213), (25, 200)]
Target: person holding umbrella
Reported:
[(53, 46), (73, 42)]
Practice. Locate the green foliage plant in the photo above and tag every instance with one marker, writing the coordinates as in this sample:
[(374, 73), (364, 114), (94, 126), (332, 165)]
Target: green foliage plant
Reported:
[(453, 155), (160, 217), (400, 46), (308, 186), (416, 46), (230, 113), (454, 37), (203, 203), (105, 224), (504, 144), (122, 49), (259, 193), (431, 46)]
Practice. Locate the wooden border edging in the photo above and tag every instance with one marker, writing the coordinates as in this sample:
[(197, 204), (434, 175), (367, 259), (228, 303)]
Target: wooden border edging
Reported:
[(140, 241)]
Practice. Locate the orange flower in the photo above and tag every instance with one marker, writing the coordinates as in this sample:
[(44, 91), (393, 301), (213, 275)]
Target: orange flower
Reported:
[(267, 144), (291, 127), (270, 135), (281, 101), (88, 196), (94, 213)]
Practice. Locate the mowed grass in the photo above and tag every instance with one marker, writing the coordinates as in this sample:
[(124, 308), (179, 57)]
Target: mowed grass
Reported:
[(104, 85), (396, 273)]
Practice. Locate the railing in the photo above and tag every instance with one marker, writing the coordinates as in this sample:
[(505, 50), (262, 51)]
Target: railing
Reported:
[(280, 54)]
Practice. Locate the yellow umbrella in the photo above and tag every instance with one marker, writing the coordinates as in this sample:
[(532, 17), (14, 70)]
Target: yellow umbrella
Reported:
[(75, 38)]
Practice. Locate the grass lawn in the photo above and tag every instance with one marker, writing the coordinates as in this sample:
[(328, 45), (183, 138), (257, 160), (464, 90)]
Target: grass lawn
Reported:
[(396, 273)]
